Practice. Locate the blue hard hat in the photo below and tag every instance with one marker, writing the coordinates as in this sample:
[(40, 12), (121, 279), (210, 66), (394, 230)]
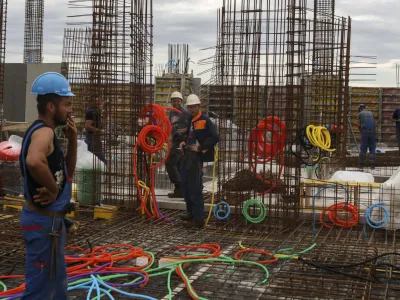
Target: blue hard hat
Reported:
[(51, 83)]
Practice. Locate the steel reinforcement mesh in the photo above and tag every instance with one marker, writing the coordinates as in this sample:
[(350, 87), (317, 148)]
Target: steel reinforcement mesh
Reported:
[(278, 68), (108, 55), (33, 37), (351, 259)]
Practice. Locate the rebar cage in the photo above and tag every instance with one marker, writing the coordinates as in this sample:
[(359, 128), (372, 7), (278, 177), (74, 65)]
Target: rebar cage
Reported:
[(278, 68), (33, 37), (112, 60)]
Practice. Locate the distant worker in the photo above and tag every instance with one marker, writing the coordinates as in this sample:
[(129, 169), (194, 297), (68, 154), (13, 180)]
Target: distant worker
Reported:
[(93, 127), (48, 188), (198, 148), (396, 118), (367, 128), (180, 124)]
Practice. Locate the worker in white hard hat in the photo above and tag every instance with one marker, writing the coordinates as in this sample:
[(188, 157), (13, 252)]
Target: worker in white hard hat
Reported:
[(198, 148), (179, 122)]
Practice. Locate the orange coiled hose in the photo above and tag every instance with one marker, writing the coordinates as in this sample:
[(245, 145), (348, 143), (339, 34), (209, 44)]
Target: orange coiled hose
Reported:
[(265, 143), (151, 140), (333, 217)]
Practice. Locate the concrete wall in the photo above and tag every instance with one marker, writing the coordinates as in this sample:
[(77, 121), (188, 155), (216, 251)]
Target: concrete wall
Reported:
[(14, 92), (33, 71)]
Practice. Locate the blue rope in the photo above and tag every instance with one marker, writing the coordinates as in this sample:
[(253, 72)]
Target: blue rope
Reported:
[(318, 193), (376, 224), (222, 214)]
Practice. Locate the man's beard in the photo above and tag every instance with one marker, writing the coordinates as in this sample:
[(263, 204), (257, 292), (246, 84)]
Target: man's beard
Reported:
[(59, 120)]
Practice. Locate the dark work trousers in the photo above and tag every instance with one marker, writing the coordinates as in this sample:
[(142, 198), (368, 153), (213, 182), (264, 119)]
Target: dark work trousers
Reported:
[(368, 142), (192, 184), (173, 166), (398, 137), (95, 146)]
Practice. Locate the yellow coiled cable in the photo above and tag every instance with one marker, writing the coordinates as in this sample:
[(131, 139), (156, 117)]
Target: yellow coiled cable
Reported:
[(319, 137)]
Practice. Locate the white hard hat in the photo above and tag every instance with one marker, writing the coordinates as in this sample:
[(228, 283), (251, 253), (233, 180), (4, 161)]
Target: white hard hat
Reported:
[(176, 95), (192, 100)]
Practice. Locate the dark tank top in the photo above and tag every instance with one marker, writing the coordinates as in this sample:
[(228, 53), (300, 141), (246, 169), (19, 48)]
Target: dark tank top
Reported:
[(55, 162)]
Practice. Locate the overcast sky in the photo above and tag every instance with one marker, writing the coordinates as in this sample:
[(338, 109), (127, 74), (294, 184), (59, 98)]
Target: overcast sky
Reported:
[(375, 31)]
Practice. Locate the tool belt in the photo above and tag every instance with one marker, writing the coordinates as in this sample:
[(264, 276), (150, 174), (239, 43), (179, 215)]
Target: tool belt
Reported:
[(44, 212)]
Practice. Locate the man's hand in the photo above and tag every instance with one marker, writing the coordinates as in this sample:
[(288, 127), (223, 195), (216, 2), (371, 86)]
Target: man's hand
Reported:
[(45, 196), (181, 145), (70, 131)]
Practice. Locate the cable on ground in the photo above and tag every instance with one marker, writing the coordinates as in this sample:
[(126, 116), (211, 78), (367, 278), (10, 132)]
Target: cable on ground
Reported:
[(259, 205)]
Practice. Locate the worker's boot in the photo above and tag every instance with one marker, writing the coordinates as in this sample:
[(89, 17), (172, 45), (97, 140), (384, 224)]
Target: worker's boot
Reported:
[(194, 224), (178, 193), (186, 217), (71, 225)]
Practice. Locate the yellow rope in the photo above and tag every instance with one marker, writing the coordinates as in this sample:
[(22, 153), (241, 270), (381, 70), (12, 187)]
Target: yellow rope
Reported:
[(216, 153)]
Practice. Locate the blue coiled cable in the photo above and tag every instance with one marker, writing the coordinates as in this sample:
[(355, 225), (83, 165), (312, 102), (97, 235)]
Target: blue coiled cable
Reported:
[(226, 212), (376, 224)]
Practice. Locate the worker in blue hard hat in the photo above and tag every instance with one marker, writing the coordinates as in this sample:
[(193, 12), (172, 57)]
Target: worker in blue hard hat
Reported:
[(367, 129), (48, 188)]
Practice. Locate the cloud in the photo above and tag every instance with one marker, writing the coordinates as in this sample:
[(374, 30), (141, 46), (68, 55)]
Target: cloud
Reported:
[(375, 30)]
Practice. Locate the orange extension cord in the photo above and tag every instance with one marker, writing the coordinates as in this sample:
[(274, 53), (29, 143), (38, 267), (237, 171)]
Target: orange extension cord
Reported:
[(264, 147), (333, 217), (151, 140)]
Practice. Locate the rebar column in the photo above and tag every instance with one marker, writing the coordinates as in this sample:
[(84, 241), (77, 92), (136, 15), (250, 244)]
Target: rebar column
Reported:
[(33, 38)]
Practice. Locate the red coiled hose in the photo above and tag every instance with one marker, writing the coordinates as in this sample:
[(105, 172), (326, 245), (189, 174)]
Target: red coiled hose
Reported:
[(265, 143), (151, 140), (332, 214)]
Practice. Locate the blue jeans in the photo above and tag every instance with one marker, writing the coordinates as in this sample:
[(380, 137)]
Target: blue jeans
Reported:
[(192, 184), (368, 142), (38, 244)]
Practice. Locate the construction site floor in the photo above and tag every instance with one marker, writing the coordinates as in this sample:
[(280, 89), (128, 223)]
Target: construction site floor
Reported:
[(289, 279)]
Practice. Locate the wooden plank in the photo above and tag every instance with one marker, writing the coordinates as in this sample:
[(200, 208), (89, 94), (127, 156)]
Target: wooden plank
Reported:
[(311, 182)]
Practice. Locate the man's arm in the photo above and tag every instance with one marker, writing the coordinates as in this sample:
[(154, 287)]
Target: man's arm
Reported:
[(71, 133), (212, 139), (36, 159), (395, 116), (89, 123)]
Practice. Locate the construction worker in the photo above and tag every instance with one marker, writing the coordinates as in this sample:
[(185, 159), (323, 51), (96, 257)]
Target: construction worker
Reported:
[(198, 147), (48, 188), (179, 122), (396, 118), (93, 127), (367, 128)]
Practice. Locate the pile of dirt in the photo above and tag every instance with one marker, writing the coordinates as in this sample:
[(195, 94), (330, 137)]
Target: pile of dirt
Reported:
[(247, 180), (232, 198)]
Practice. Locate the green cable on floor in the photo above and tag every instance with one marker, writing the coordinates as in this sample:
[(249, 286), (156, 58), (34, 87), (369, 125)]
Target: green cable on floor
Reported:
[(260, 205), (4, 286), (289, 256)]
